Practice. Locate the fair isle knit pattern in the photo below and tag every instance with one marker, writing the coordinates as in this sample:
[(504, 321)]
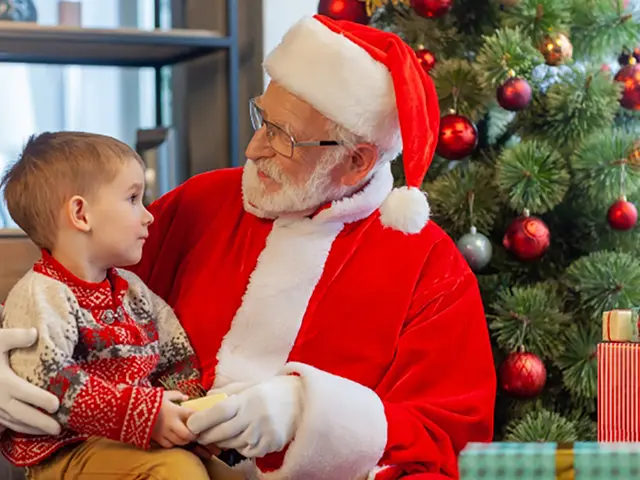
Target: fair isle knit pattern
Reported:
[(103, 349)]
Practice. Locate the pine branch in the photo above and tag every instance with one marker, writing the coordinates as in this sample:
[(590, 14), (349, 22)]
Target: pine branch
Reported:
[(531, 316), (537, 18), (542, 426), (600, 163), (439, 37), (627, 120), (449, 197), (605, 281), (459, 87), (475, 18), (499, 121), (578, 362), (581, 102), (532, 175), (507, 49), (600, 28), (586, 226)]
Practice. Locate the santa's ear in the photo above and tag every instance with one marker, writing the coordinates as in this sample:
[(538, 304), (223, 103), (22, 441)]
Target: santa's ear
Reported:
[(359, 164)]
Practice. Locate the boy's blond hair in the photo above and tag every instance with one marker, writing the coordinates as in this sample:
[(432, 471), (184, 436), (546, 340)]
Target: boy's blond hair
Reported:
[(53, 167)]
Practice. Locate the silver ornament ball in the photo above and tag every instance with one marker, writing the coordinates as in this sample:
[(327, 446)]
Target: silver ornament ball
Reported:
[(476, 249)]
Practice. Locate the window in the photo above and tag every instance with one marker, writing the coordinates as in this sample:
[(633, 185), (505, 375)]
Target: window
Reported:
[(108, 100)]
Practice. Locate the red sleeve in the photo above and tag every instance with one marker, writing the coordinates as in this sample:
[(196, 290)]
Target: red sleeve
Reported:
[(122, 413), (439, 393)]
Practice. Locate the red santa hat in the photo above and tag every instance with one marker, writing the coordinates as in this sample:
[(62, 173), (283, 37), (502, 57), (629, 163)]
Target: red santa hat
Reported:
[(371, 83)]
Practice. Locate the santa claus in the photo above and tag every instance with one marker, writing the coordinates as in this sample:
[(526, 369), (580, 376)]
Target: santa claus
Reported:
[(346, 326)]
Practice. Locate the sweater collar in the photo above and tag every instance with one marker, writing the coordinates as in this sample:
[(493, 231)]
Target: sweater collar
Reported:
[(108, 293)]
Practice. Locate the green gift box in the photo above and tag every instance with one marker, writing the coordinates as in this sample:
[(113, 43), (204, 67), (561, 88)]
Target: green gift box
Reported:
[(550, 461)]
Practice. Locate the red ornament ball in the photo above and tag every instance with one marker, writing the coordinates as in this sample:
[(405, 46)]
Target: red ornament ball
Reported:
[(431, 8), (629, 76), (458, 137), (352, 10), (426, 59), (527, 237), (514, 94), (522, 375), (622, 215)]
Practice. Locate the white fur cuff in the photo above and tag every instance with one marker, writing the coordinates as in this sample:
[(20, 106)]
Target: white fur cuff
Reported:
[(342, 432)]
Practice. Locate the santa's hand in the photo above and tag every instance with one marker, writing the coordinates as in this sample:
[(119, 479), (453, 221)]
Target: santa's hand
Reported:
[(255, 422), (19, 398), (231, 389)]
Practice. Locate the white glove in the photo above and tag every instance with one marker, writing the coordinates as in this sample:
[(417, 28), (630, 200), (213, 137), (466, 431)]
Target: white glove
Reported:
[(256, 421), (17, 396)]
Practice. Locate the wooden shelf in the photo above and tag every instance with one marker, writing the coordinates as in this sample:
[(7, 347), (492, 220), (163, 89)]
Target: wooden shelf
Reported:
[(122, 47)]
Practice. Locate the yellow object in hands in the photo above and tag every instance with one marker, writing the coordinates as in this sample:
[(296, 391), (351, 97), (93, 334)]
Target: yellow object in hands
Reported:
[(203, 403)]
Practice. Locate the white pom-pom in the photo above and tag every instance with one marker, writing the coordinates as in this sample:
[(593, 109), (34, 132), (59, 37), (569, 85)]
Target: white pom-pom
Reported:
[(405, 209)]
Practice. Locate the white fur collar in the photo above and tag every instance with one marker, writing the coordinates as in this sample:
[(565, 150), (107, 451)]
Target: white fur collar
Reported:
[(362, 204)]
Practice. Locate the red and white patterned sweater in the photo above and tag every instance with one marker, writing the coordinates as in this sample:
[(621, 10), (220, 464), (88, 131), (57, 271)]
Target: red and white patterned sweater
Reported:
[(102, 349)]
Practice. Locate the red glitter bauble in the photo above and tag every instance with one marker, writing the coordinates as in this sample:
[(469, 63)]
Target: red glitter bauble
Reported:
[(514, 94), (629, 76), (527, 237), (431, 8), (522, 375), (352, 10), (622, 215), (426, 58), (458, 137)]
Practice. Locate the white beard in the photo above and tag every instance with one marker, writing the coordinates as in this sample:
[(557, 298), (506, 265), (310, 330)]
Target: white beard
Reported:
[(291, 199)]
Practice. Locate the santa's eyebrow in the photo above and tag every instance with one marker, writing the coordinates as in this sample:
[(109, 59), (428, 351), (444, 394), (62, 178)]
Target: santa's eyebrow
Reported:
[(286, 126)]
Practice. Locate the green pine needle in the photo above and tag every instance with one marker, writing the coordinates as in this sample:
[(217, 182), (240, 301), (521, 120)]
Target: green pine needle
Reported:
[(537, 18), (604, 281), (542, 426), (531, 316), (582, 102), (449, 196), (440, 38), (578, 362), (507, 49), (532, 175), (498, 122), (459, 87), (475, 18), (601, 28), (586, 227), (600, 164)]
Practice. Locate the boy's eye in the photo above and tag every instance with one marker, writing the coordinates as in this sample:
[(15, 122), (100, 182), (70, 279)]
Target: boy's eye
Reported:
[(133, 198)]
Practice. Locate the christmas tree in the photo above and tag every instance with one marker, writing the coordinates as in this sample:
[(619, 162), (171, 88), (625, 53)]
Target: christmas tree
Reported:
[(536, 176)]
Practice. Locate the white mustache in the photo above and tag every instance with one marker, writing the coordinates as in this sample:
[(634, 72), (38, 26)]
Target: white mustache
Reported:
[(270, 169)]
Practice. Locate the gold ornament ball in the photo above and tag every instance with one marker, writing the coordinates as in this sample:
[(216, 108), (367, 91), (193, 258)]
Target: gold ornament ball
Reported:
[(556, 49), (633, 158)]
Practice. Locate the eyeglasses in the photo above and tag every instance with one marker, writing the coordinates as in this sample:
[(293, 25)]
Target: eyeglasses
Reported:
[(279, 140)]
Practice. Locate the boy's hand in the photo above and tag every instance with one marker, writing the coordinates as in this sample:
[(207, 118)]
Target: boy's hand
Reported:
[(170, 429)]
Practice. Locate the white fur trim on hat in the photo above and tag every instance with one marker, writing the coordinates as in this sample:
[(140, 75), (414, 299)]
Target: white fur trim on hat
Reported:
[(405, 209), (339, 79)]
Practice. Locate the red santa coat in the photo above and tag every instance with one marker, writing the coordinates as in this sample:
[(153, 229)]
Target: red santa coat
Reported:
[(386, 330)]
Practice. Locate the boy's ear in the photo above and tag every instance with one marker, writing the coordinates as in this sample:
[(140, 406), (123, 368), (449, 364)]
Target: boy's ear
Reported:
[(78, 213)]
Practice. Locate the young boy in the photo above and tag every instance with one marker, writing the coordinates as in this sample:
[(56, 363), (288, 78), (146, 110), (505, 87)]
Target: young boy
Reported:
[(105, 341)]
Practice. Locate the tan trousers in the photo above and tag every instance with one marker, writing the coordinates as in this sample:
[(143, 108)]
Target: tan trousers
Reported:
[(102, 459)]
